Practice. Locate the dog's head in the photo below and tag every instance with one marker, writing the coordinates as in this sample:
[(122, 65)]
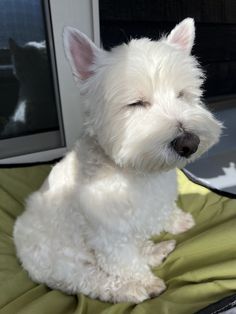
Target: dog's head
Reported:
[(143, 99)]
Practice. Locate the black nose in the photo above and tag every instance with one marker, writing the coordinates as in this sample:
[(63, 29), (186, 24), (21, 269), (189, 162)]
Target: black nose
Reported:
[(186, 144)]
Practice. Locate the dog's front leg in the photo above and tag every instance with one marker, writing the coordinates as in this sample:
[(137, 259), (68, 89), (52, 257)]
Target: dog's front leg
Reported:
[(117, 239), (155, 253), (129, 276)]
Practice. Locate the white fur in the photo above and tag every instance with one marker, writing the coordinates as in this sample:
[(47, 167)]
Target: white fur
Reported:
[(87, 229)]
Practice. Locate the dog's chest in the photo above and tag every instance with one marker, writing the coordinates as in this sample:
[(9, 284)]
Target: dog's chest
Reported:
[(151, 198), (125, 200)]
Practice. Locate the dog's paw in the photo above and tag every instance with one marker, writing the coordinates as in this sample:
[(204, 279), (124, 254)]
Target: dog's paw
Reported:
[(137, 291), (156, 253), (156, 287), (180, 222)]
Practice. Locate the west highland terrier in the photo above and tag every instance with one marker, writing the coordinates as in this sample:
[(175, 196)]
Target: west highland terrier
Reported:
[(88, 228)]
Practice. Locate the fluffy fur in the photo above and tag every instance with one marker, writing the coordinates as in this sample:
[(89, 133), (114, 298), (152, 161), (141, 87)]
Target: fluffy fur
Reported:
[(87, 229)]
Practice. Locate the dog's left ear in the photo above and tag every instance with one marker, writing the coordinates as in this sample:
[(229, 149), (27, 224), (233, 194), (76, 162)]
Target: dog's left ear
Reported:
[(81, 53), (182, 36)]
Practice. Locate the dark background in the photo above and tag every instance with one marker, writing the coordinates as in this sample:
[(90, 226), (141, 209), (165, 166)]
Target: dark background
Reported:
[(215, 44)]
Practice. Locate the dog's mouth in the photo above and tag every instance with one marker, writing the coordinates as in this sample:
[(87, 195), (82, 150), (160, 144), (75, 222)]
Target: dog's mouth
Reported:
[(185, 145)]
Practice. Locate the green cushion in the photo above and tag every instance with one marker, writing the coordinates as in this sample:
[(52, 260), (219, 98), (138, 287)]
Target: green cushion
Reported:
[(200, 271)]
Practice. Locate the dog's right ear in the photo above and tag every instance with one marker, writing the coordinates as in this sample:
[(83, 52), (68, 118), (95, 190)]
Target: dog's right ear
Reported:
[(80, 51)]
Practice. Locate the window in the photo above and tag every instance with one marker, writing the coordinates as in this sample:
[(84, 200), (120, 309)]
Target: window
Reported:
[(30, 113)]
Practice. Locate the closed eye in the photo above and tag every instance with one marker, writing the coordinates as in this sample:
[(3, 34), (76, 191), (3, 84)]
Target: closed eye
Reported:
[(139, 103), (181, 94)]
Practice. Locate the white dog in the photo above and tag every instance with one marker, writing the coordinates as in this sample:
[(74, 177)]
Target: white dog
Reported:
[(88, 227)]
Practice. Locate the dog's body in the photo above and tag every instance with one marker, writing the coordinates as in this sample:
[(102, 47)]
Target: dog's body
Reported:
[(88, 228)]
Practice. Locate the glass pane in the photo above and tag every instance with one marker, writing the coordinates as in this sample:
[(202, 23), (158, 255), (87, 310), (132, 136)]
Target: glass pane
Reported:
[(27, 104)]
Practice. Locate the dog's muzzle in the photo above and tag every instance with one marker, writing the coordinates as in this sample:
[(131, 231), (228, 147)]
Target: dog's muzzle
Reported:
[(186, 144)]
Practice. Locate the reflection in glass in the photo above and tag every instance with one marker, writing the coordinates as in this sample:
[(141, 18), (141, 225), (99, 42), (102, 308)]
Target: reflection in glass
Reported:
[(27, 104)]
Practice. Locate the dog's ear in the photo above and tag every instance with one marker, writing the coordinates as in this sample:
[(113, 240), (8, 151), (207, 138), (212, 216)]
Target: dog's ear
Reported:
[(183, 35), (80, 51)]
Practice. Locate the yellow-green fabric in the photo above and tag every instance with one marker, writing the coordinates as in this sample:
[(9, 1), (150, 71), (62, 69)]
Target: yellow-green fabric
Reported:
[(200, 271)]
